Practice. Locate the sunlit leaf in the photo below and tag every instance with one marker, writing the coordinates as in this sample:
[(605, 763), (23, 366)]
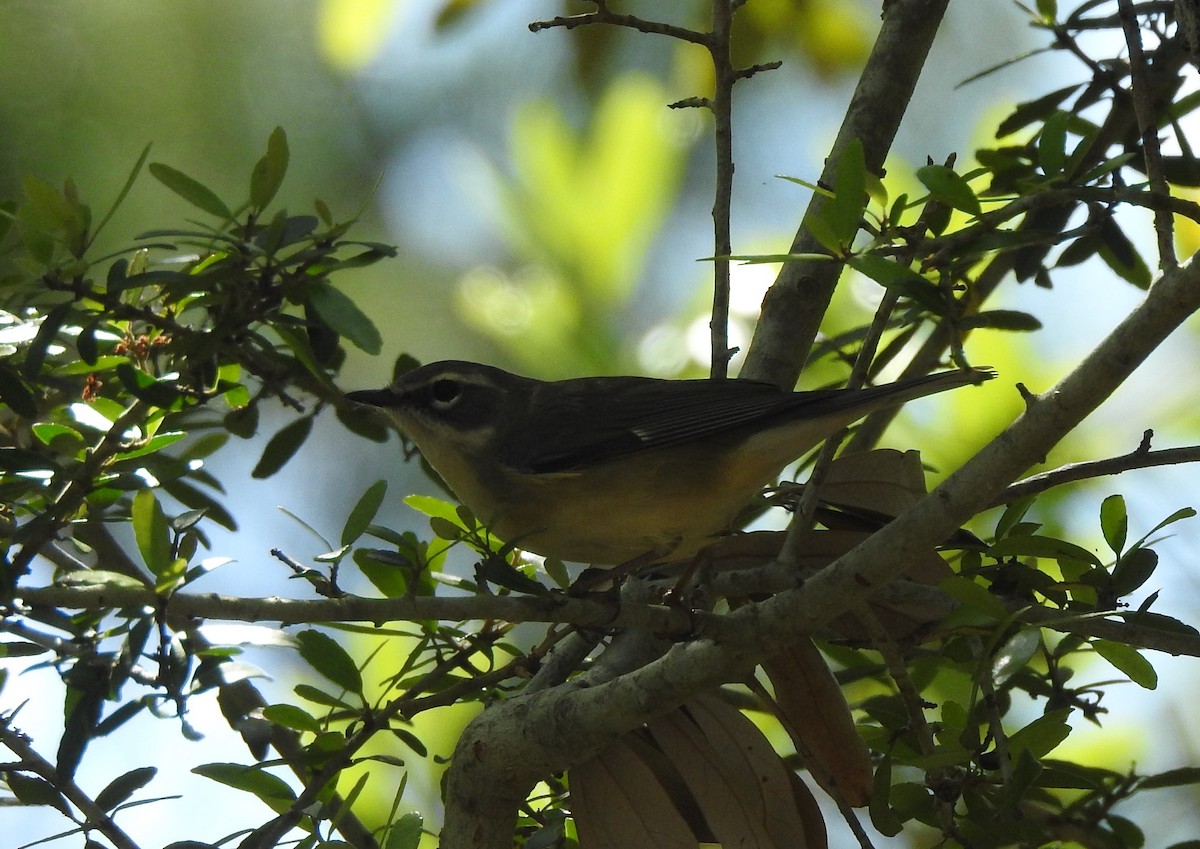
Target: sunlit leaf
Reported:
[(405, 833), (949, 187), (1015, 654), (270, 789), (290, 716), (151, 531)]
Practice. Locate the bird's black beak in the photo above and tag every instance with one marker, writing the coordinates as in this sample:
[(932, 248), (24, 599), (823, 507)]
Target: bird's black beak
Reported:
[(373, 397)]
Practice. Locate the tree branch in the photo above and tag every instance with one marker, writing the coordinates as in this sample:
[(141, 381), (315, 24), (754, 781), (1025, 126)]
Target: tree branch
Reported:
[(95, 818), (504, 750), (603, 16), (797, 301), (1140, 458), (1143, 107), (182, 608)]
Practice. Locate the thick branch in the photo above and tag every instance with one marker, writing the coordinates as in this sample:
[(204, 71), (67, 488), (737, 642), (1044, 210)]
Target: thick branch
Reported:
[(795, 304)]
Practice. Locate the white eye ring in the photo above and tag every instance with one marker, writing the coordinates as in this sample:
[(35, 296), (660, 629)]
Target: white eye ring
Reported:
[(445, 392)]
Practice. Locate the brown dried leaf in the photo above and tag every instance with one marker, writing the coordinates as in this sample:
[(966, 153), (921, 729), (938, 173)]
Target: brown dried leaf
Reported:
[(883, 481), (618, 802), (742, 786), (815, 714)]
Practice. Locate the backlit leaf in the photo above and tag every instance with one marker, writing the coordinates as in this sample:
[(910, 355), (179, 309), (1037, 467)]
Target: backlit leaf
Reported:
[(191, 190)]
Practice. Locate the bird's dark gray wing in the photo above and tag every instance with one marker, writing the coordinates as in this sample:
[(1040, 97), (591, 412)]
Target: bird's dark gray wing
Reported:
[(623, 416)]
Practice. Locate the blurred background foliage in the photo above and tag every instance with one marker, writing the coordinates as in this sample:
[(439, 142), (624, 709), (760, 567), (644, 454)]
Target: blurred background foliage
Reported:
[(552, 216)]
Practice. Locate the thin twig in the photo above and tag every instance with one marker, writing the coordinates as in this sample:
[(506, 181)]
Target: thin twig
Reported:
[(914, 706), (1164, 224), (806, 509), (1139, 458), (603, 16), (722, 110), (95, 818)]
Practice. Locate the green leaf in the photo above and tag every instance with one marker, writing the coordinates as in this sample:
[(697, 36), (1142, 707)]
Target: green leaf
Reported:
[(344, 317), (320, 697), (1002, 320), (1034, 110), (894, 275), (843, 213), (949, 187), (16, 394), (498, 571), (191, 190), (1159, 622), (436, 508), (1178, 515), (1035, 545), (1119, 253), (328, 658), (883, 817), (272, 790), (282, 446), (1133, 570), (35, 354), (290, 716), (1114, 522), (1171, 778), (156, 443), (20, 649), (122, 787), (55, 211), (151, 531), (364, 511), (1015, 654), (1052, 143), (1129, 660), (31, 790), (1042, 735), (973, 595), (158, 393), (170, 577), (269, 172), (100, 578), (85, 344), (405, 833), (121, 195), (1013, 515)]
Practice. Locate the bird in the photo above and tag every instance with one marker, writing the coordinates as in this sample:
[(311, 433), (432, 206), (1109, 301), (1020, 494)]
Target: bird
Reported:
[(607, 470)]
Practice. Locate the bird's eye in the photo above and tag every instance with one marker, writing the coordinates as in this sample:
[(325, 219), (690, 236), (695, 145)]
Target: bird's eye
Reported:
[(444, 392)]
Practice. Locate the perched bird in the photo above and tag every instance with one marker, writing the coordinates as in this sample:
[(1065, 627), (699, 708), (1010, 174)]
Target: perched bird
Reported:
[(603, 470)]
